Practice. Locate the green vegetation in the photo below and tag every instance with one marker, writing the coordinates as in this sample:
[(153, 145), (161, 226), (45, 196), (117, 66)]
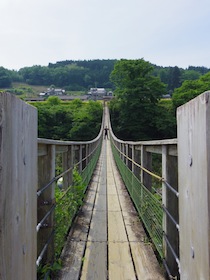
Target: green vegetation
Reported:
[(135, 111), (190, 89), (74, 120), (81, 75), (138, 111), (67, 204)]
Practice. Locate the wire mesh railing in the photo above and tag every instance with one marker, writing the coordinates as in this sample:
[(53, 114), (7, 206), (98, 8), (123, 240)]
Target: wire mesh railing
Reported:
[(147, 205), (154, 195)]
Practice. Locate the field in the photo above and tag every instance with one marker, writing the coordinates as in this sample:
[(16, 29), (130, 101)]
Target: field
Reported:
[(25, 90)]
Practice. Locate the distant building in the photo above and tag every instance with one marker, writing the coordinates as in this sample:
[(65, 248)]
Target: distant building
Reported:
[(53, 91), (100, 92)]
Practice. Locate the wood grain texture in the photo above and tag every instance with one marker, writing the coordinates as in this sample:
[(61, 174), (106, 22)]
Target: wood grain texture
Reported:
[(194, 185), (18, 183), (114, 229), (120, 262), (98, 226), (95, 261), (146, 264)]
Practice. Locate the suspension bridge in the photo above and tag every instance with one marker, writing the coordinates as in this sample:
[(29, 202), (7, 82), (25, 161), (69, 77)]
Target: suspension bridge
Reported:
[(133, 223)]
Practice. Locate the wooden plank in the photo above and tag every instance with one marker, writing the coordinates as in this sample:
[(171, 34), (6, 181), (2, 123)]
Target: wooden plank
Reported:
[(111, 187), (126, 203), (120, 265), (134, 227), (80, 227), (74, 250), (72, 262), (89, 200), (18, 184), (113, 203), (116, 229), (146, 265), (95, 261), (100, 202), (42, 150), (120, 187), (193, 121), (102, 182), (98, 226)]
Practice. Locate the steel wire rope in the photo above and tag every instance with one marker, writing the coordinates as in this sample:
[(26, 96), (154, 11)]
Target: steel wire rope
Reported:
[(163, 207), (172, 250), (98, 141), (148, 171), (40, 191), (45, 248)]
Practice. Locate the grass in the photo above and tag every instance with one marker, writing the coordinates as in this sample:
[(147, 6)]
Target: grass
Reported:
[(24, 90)]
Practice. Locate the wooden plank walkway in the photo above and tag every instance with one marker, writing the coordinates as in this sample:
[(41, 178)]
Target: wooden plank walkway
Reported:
[(107, 240)]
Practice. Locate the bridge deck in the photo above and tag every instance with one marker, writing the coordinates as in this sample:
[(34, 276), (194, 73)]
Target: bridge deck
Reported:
[(107, 240)]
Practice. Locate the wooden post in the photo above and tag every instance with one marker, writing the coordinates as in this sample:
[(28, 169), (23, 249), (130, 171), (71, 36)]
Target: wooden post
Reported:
[(126, 152), (133, 158), (86, 154), (80, 158), (129, 154), (46, 172), (67, 163), (123, 151), (18, 180), (170, 202), (193, 120), (137, 159), (146, 162)]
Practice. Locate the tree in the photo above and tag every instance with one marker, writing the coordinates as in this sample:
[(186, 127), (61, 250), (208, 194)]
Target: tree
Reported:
[(134, 109), (75, 120), (174, 78), (86, 121), (5, 78), (190, 89), (188, 75)]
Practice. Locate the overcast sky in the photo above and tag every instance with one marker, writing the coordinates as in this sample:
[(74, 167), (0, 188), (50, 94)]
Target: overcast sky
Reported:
[(163, 32)]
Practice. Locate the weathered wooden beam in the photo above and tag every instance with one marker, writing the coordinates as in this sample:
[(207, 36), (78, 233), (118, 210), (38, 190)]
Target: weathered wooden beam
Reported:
[(193, 120), (18, 183), (146, 162), (46, 172), (170, 202)]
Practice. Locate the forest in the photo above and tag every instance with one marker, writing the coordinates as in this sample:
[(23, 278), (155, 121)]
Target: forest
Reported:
[(75, 120), (81, 75), (139, 109)]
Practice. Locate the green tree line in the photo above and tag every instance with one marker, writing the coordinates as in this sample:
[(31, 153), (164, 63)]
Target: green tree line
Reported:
[(75, 120), (84, 74), (138, 111)]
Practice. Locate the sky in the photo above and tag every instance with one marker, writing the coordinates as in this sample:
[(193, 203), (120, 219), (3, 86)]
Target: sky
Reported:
[(163, 32)]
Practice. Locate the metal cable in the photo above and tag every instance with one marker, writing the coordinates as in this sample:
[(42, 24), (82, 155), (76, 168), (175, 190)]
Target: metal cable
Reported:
[(148, 171), (171, 249), (40, 191), (171, 217), (45, 248), (45, 217)]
